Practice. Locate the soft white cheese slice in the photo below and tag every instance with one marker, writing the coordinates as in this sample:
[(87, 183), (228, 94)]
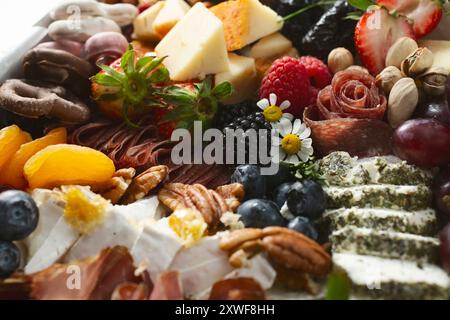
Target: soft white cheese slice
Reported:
[(441, 52), (50, 211), (169, 16), (367, 270), (195, 46), (116, 230), (59, 241), (201, 266), (259, 269), (147, 209), (156, 248)]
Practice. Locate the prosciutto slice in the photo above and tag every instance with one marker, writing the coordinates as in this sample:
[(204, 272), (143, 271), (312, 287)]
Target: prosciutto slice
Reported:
[(348, 116)]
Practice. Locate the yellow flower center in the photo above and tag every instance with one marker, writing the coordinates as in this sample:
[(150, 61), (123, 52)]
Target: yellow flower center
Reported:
[(291, 144), (273, 113)]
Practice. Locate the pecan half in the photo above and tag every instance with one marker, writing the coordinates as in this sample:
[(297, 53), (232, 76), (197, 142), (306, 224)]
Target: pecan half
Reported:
[(233, 194), (144, 183), (115, 188), (212, 204), (285, 247)]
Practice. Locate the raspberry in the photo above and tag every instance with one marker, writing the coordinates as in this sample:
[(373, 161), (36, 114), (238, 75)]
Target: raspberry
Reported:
[(288, 79), (318, 72)]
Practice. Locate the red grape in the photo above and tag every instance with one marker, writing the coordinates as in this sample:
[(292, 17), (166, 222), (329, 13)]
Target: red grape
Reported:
[(436, 109), (424, 142), (445, 248)]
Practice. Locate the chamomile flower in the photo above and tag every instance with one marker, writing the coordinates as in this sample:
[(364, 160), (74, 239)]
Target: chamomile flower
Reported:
[(293, 143), (272, 112)]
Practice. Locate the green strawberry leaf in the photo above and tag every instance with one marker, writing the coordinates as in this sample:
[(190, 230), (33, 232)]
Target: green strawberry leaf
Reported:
[(113, 73), (106, 80), (223, 90), (159, 75), (338, 286), (142, 62), (127, 62), (152, 65)]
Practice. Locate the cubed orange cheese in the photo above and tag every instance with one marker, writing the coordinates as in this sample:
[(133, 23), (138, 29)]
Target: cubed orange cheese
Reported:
[(246, 21)]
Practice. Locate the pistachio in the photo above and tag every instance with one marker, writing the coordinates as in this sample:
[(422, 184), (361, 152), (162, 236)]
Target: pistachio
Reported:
[(402, 102), (417, 62), (339, 59), (387, 78), (434, 81), (401, 48)]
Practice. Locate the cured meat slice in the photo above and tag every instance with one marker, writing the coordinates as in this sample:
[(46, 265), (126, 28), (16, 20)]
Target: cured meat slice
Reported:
[(99, 276), (348, 116), (237, 289), (168, 287)]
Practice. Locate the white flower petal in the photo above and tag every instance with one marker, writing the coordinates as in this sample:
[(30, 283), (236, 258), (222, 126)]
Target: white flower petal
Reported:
[(297, 126), (263, 104), (273, 99), (288, 116), (293, 159), (304, 156), (285, 127), (285, 104), (309, 151), (307, 143), (305, 134)]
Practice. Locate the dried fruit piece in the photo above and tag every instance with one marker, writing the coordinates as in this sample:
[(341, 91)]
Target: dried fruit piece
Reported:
[(65, 164), (11, 138), (13, 170)]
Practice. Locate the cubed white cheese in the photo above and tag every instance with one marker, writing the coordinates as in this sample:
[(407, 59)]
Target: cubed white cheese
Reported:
[(242, 75), (143, 24), (270, 46), (169, 16), (195, 47)]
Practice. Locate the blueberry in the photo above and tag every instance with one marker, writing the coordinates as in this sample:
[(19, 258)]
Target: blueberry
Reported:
[(18, 215), (283, 175), (302, 225), (254, 183), (281, 192), (259, 213), (307, 199), (9, 258)]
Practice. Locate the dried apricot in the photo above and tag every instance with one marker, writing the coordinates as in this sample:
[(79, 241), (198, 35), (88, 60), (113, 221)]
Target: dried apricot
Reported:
[(11, 138), (13, 170), (67, 164)]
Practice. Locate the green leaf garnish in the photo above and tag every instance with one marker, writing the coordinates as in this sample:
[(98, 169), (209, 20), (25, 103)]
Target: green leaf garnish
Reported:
[(338, 286), (223, 90), (361, 4)]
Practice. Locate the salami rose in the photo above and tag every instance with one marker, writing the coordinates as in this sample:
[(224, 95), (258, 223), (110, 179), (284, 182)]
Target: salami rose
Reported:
[(348, 116)]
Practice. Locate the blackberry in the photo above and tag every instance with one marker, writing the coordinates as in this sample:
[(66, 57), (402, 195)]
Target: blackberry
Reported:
[(227, 114), (254, 121)]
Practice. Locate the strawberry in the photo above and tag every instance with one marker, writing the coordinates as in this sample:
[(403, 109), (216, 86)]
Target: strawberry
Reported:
[(130, 87), (375, 33), (424, 15)]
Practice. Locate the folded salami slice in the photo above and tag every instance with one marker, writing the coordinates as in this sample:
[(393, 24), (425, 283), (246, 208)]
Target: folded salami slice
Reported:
[(348, 117)]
